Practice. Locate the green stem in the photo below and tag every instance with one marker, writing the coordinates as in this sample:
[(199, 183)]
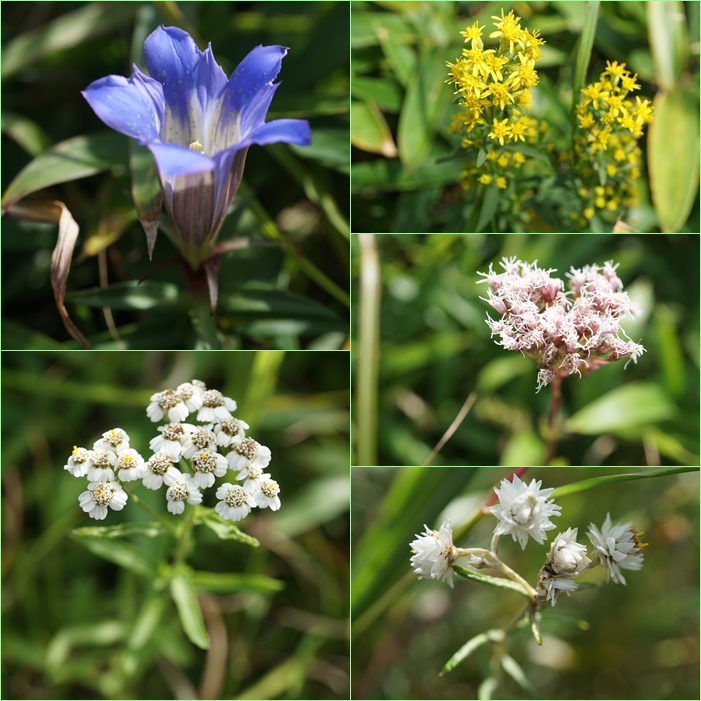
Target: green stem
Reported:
[(184, 541), (556, 385), (169, 526)]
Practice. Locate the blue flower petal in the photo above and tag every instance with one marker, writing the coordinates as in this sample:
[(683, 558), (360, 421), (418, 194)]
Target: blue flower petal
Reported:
[(291, 131), (131, 106), (173, 160), (190, 78)]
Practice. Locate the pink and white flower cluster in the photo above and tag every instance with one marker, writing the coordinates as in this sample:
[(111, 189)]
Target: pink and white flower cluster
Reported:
[(565, 332), (211, 449)]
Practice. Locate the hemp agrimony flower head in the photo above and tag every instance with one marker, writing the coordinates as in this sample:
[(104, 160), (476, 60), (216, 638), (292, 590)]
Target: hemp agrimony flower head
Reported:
[(187, 458), (198, 124), (524, 510), (566, 333), (617, 547)]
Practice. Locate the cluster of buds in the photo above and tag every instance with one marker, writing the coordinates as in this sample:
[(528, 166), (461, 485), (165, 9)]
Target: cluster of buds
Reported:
[(524, 511), (495, 87), (566, 333), (112, 462)]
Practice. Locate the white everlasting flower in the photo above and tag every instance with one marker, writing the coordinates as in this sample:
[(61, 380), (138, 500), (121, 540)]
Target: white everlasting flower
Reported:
[(434, 554), (200, 438), (159, 469), (618, 546), (171, 440), (191, 396), (230, 432), (167, 403), (267, 494), (207, 465), (236, 503), (567, 559), (249, 453), (100, 466), (115, 440), (99, 496), (524, 510), (181, 490), (130, 466), (78, 462), (215, 407)]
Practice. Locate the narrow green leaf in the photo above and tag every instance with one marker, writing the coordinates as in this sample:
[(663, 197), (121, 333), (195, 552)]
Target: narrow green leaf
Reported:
[(535, 626), (489, 207), (28, 134), (75, 158), (369, 130), (128, 295), (123, 554), (487, 579), (275, 304), (673, 148), (586, 41), (225, 582), (400, 57), (513, 669), (487, 688), (184, 594), (469, 647), (595, 482), (146, 623), (122, 530), (383, 91), (224, 529), (668, 41), (636, 404), (481, 156)]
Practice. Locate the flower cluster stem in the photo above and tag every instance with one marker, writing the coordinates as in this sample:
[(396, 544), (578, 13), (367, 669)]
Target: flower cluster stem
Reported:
[(556, 385)]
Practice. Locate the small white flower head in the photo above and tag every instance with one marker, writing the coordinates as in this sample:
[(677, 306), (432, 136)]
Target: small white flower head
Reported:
[(191, 396), (199, 384), (618, 546), (524, 510), (550, 586), (236, 503), (230, 432), (159, 469), (207, 465), (171, 440), (167, 403), (215, 407), (434, 554), (567, 557), (182, 490), (249, 453), (115, 440), (267, 494), (200, 438), (100, 466), (254, 476), (99, 496), (78, 462), (130, 466)]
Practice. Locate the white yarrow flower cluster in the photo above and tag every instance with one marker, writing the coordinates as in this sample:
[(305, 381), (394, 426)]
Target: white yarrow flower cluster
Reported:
[(566, 333), (210, 450)]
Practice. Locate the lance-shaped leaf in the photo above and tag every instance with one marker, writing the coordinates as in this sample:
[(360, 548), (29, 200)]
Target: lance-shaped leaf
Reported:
[(184, 594), (145, 191), (470, 646)]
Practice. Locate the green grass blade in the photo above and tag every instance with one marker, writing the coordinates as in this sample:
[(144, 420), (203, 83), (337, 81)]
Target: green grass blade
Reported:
[(586, 41)]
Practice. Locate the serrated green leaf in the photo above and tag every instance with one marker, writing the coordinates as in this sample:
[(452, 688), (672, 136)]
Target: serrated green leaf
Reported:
[(75, 158), (636, 404), (225, 529), (184, 594), (122, 530), (225, 582)]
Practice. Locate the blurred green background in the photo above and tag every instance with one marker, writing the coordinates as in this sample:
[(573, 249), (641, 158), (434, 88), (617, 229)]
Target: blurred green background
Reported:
[(401, 106), (638, 641), (294, 200), (434, 349), (77, 626)]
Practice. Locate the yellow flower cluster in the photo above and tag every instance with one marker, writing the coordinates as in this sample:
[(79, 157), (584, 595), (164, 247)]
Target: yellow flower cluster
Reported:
[(606, 144), (487, 79)]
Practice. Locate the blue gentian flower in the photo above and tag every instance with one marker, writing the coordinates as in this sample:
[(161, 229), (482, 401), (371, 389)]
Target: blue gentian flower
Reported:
[(198, 125)]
